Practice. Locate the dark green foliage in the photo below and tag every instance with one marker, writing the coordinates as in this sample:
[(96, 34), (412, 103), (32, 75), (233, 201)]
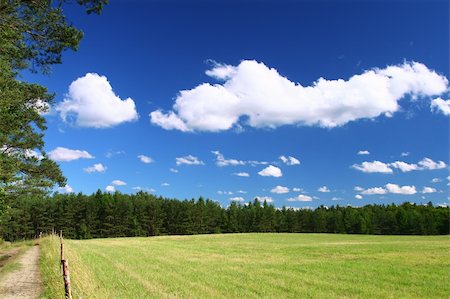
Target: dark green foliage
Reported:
[(103, 215), (33, 36)]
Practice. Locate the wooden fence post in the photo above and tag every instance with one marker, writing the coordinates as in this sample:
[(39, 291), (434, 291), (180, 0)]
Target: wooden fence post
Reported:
[(65, 270)]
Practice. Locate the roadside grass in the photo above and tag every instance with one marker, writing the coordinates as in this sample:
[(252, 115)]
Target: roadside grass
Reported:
[(251, 266)]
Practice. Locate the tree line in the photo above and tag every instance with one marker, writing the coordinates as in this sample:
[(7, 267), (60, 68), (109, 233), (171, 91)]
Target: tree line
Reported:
[(104, 215)]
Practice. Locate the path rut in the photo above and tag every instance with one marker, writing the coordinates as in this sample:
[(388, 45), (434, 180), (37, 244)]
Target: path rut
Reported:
[(25, 282)]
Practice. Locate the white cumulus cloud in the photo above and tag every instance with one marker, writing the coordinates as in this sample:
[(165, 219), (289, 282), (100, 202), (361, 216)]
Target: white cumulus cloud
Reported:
[(188, 160), (66, 154), (271, 171), (440, 105), (110, 188), (99, 167), (300, 197), (364, 152), (118, 183), (357, 196), (221, 161), (290, 160), (427, 163), (264, 98), (403, 166), (280, 190), (145, 159), (436, 180), (324, 189), (396, 189), (375, 166), (91, 102)]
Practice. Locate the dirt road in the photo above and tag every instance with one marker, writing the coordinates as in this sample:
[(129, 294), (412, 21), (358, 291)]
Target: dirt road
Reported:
[(25, 282)]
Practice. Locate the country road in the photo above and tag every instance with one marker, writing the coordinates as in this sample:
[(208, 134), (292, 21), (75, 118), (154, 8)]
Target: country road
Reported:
[(25, 282)]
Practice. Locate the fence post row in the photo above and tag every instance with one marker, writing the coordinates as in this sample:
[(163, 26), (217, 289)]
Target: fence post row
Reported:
[(65, 270)]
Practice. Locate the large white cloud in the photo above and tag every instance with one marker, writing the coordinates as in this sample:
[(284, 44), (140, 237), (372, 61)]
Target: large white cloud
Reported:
[(280, 190), (66, 154), (441, 105), (258, 95), (91, 102), (189, 160), (271, 171)]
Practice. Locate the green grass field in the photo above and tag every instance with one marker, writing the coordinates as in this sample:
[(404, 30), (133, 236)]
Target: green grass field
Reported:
[(252, 266)]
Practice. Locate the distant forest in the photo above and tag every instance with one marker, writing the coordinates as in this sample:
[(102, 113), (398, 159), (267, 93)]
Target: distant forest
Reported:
[(104, 215)]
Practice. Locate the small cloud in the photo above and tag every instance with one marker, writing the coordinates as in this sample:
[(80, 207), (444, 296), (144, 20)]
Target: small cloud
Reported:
[(403, 166), (65, 189), (364, 152), (241, 192), (428, 190), (358, 189), (118, 183), (271, 171), (429, 164), (357, 196), (290, 160), (372, 167), (110, 189), (62, 154), (300, 197), (440, 105), (267, 199), (189, 160), (237, 198), (373, 191), (396, 189), (295, 189), (280, 190), (99, 167), (110, 154), (145, 159), (221, 161), (436, 180), (225, 192), (405, 154), (241, 174), (336, 198), (323, 189), (165, 184), (174, 170)]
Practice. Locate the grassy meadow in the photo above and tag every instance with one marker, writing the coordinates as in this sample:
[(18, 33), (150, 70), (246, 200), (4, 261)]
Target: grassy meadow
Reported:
[(252, 266)]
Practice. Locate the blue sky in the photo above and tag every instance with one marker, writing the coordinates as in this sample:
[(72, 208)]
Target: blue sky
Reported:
[(233, 87)]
